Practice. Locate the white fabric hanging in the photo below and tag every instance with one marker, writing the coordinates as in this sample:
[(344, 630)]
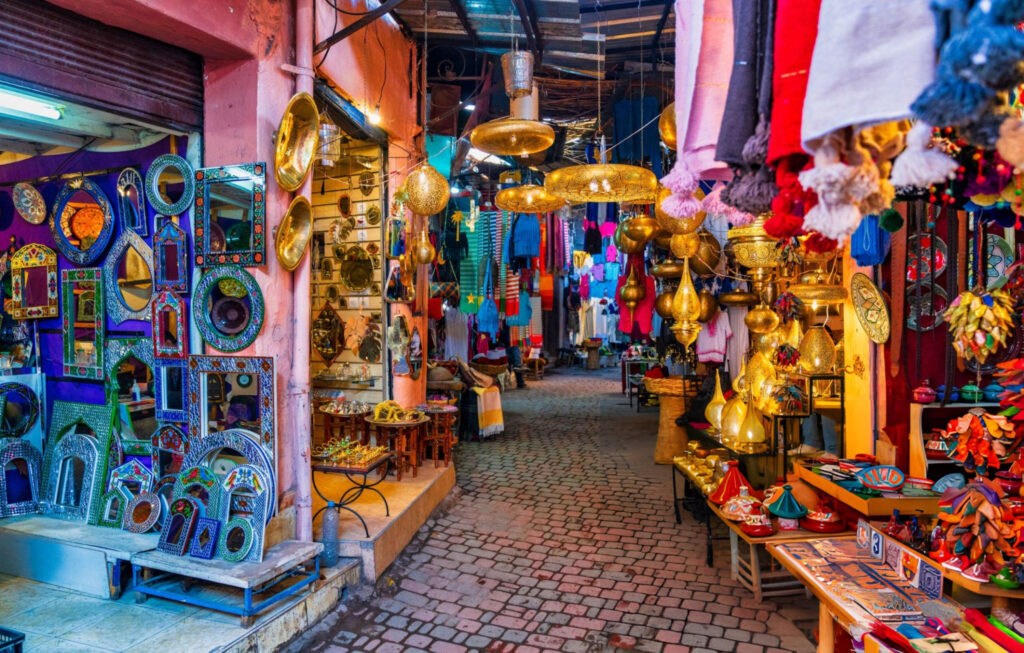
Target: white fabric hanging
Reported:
[(456, 344)]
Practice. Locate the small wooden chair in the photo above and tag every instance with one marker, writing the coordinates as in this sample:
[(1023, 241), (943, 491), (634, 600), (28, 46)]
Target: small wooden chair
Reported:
[(535, 366)]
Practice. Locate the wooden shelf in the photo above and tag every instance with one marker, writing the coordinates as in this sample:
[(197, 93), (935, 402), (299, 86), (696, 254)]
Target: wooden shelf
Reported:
[(876, 507), (919, 462)]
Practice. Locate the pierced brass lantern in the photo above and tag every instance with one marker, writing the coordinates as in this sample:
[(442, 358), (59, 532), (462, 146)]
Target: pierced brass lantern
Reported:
[(297, 136), (667, 126), (512, 137), (427, 190), (602, 182), (528, 198)]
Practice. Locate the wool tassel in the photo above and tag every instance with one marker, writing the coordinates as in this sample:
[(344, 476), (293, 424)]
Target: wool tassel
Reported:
[(840, 188), (755, 150), (1002, 12), (984, 132), (951, 101), (681, 180), (752, 192), (833, 221), (713, 205), (681, 205), (1011, 142), (921, 165)]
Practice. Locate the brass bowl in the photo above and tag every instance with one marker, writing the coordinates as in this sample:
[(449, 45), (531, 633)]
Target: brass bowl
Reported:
[(667, 126), (709, 253), (602, 182), (640, 227), (752, 246), (737, 298), (814, 289), (296, 141), (667, 270), (512, 137), (528, 198), (761, 319), (293, 234)]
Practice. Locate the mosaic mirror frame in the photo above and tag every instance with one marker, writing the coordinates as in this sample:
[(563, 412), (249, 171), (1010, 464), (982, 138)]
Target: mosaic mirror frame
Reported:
[(95, 251), (245, 490), (155, 510), (29, 420), (131, 473), (30, 257), (156, 200), (201, 311), (164, 490), (79, 316), (169, 302), (168, 235), (204, 479), (199, 549), (246, 443), (17, 449), (251, 549), (170, 439), (260, 367), (133, 214), (256, 253), (189, 510), (163, 413), (62, 442), (116, 308), (123, 497), (119, 349)]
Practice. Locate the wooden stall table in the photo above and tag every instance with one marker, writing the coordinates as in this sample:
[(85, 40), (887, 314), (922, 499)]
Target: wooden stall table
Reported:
[(402, 438), (352, 426), (440, 432), (873, 507), (774, 582), (672, 403)]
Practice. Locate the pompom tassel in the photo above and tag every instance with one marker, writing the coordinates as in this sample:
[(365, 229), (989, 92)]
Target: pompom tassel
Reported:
[(752, 192), (784, 226), (815, 243), (741, 218), (835, 221), (880, 200), (680, 206), (1011, 142), (713, 204), (988, 55), (984, 132), (755, 150), (681, 180), (1004, 12), (921, 165), (951, 101)]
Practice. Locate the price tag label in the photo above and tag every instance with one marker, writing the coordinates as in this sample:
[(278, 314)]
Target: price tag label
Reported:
[(361, 235)]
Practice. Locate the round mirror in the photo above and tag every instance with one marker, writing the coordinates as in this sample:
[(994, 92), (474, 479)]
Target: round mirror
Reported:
[(142, 512), (20, 409), (235, 539), (83, 221), (170, 184), (228, 308), (134, 280)]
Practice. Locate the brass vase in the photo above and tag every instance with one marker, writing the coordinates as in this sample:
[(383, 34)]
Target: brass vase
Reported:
[(423, 251), (713, 412)]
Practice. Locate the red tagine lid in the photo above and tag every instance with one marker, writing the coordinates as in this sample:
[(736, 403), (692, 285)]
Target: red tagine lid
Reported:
[(730, 485)]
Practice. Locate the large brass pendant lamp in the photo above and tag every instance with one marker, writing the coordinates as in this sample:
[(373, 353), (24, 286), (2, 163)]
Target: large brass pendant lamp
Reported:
[(528, 198), (602, 182), (512, 137)]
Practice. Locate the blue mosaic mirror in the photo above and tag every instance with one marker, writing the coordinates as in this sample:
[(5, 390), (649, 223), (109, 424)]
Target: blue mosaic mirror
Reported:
[(82, 223), (131, 199)]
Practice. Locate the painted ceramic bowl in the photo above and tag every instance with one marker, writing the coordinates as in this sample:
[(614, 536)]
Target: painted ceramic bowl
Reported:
[(954, 480), (741, 506), (758, 525), (881, 477), (954, 394), (821, 521), (971, 393), (992, 392)]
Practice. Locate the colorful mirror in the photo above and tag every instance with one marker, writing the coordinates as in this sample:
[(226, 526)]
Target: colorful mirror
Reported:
[(171, 401), (142, 513), (83, 322), (34, 282), (170, 259), (128, 278), (130, 387), (170, 186), (170, 333), (232, 405), (204, 542), (328, 334), (83, 221), (415, 354), (231, 200), (20, 465), (181, 522), (398, 343), (237, 457), (132, 201), (228, 308)]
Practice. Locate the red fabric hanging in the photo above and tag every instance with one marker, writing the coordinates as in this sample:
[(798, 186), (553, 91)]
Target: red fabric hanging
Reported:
[(547, 291), (796, 28)]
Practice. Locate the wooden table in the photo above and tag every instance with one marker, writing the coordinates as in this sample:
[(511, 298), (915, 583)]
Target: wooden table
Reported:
[(440, 431), (627, 365), (403, 440), (773, 582), (342, 426)]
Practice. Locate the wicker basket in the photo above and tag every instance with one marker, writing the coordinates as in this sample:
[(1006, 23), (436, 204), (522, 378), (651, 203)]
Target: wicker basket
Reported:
[(671, 386), (489, 370)]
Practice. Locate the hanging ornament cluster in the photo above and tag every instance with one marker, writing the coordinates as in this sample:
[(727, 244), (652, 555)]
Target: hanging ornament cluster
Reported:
[(981, 323), (788, 306)]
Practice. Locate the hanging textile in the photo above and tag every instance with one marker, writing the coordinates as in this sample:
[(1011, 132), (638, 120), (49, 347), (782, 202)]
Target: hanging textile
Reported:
[(501, 256), (638, 143), (469, 286), (456, 326), (547, 291), (511, 301), (487, 316), (536, 315), (490, 419), (869, 245)]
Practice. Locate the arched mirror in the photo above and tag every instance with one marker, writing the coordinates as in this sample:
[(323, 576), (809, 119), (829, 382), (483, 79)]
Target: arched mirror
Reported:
[(84, 322), (132, 201), (328, 334), (181, 522), (20, 465), (170, 185), (128, 278), (170, 259), (170, 334), (398, 342), (130, 385), (34, 283), (228, 308), (415, 354), (171, 401), (83, 221), (230, 215)]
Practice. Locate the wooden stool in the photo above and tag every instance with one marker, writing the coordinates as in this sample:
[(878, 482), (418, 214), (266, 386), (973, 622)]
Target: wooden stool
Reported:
[(535, 366), (401, 438), (440, 436)]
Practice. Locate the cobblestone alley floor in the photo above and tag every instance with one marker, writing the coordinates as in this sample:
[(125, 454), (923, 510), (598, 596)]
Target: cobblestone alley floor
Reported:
[(560, 537)]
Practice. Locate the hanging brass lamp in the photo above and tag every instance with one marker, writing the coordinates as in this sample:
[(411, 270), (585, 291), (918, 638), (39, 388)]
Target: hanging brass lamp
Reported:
[(755, 249), (817, 351), (624, 243), (631, 293), (815, 289), (528, 198), (423, 251), (751, 437), (512, 137), (686, 309), (713, 412), (427, 190), (667, 126), (640, 227), (709, 253), (602, 182), (663, 304)]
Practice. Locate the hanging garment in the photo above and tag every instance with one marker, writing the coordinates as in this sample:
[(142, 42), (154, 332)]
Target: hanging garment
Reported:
[(585, 287), (869, 245), (736, 348), (469, 286), (591, 233), (712, 341), (456, 344), (487, 317), (636, 132)]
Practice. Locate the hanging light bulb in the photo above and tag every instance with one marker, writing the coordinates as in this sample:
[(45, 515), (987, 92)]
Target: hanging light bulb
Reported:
[(374, 116), (817, 351), (632, 293), (713, 412)]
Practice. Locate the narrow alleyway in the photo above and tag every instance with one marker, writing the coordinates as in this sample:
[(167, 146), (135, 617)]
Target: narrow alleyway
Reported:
[(559, 537)]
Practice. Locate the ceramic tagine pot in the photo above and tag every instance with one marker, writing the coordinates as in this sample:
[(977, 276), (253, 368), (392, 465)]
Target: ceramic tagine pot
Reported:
[(732, 481), (758, 524), (823, 520), (971, 393), (741, 506), (924, 393), (785, 506)]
